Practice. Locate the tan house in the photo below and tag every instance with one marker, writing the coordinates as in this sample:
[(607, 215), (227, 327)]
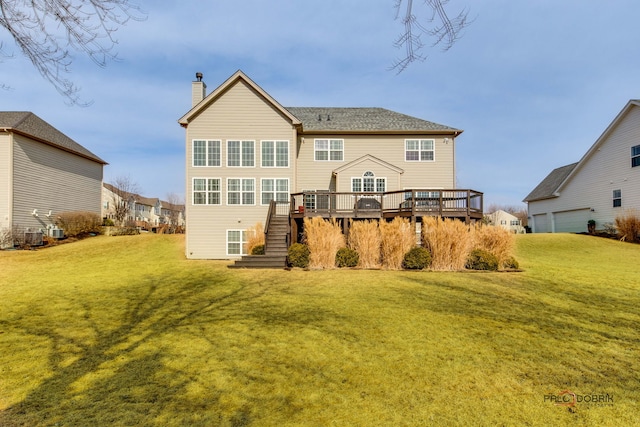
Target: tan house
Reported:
[(602, 185), (43, 172), (249, 159), (505, 220)]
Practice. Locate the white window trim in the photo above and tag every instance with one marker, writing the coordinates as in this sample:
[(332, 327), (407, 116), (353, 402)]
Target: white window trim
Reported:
[(328, 149), (375, 183), (275, 151), (274, 189), (242, 243), (253, 142), (206, 160), (206, 191), (241, 204), (419, 150)]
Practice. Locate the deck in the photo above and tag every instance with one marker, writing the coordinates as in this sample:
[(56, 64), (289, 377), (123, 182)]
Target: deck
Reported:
[(466, 205)]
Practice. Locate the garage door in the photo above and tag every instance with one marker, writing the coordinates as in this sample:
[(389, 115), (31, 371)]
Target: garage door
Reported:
[(572, 221), (540, 223)]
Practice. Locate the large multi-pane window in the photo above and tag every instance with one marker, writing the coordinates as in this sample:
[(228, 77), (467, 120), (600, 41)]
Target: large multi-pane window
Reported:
[(419, 150), (236, 242), (241, 191), (329, 149), (206, 153), (368, 183), (274, 189), (241, 154), (275, 154), (206, 191), (635, 156)]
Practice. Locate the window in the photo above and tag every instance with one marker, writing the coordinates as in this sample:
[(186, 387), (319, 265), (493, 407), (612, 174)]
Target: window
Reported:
[(206, 191), (241, 191), (274, 189), (419, 150), (617, 198), (275, 154), (368, 183), (206, 153), (329, 149), (241, 154), (635, 156), (515, 222), (236, 242)]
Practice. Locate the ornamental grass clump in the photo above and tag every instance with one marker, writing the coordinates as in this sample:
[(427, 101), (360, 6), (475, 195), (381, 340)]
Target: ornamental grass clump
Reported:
[(628, 226), (324, 238), (449, 241), (255, 237), (496, 240), (364, 238), (398, 237)]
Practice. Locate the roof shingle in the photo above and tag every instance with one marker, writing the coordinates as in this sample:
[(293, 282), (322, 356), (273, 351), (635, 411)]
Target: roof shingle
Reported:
[(547, 188)]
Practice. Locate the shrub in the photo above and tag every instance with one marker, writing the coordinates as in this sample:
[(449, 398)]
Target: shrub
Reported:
[(324, 238), (364, 238), (481, 259), (628, 225), (448, 240), (346, 257), (497, 240), (397, 238), (511, 264), (299, 255), (125, 231), (257, 250), (255, 237), (416, 259), (78, 223), (108, 222)]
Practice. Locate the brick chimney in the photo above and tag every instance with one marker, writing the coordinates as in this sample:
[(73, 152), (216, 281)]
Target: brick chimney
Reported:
[(198, 90)]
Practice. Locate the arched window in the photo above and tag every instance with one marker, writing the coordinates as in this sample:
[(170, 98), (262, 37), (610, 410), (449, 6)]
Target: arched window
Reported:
[(368, 183)]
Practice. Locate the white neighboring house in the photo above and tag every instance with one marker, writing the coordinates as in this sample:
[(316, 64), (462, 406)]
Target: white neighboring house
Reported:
[(43, 173), (505, 220), (601, 186)]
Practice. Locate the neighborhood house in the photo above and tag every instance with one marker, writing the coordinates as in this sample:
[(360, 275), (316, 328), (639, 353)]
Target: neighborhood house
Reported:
[(600, 187), (251, 160), (43, 173)]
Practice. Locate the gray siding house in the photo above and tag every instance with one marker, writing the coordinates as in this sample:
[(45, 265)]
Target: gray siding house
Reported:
[(43, 172), (602, 185), (246, 153)]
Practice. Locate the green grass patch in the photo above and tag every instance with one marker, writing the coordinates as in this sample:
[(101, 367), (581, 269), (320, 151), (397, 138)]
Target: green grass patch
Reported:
[(124, 331)]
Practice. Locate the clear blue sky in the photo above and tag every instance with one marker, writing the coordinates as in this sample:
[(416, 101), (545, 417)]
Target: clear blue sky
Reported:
[(533, 84)]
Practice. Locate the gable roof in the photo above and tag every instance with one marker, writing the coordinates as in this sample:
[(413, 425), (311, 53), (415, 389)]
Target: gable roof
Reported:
[(368, 157), (28, 124), (359, 120), (549, 186), (558, 178), (224, 87)]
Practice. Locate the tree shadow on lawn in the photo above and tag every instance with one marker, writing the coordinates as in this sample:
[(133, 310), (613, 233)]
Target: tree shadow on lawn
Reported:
[(131, 373)]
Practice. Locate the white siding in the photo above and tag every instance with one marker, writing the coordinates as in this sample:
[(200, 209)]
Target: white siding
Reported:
[(5, 180), (240, 113), (46, 178), (608, 168)]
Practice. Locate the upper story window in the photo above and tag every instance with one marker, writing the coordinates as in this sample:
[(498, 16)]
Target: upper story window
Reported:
[(419, 150), (274, 189), (206, 191), (275, 154), (241, 154), (329, 150), (635, 156), (206, 153), (617, 198)]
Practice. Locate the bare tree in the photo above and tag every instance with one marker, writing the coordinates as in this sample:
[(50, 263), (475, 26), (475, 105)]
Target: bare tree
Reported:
[(124, 191), (48, 31), (437, 25), (174, 207)]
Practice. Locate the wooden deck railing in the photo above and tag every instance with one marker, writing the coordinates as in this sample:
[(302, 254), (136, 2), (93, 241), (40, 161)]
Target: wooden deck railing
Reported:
[(467, 204)]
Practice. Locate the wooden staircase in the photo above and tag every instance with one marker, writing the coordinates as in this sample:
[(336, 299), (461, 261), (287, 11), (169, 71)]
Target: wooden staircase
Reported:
[(276, 244)]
